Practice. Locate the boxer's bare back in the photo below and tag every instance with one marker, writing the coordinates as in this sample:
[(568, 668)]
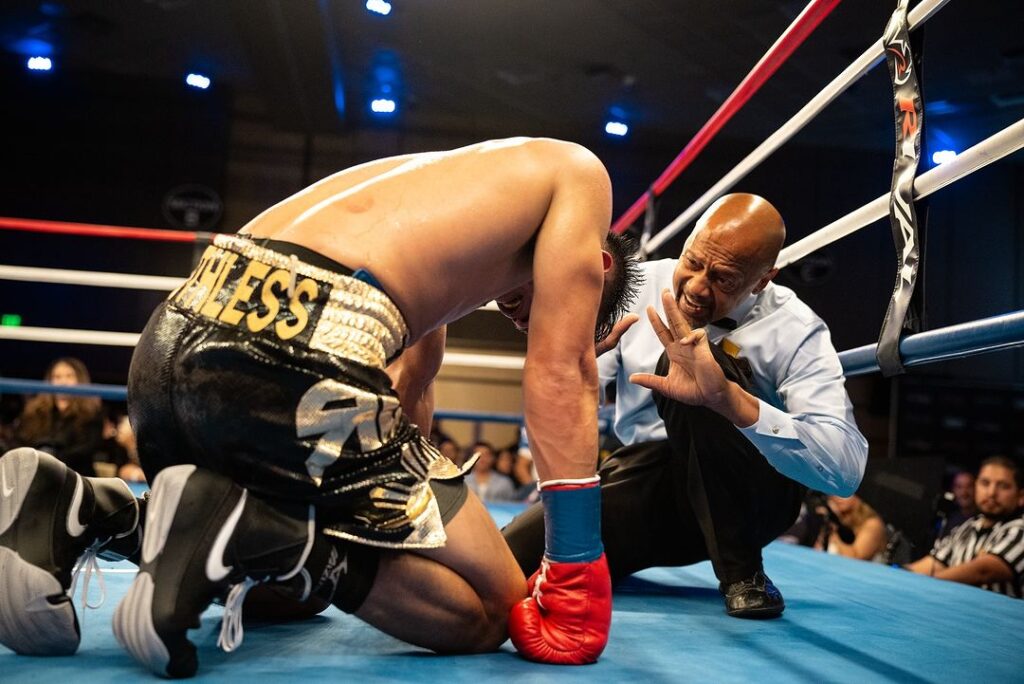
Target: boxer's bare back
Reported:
[(446, 232)]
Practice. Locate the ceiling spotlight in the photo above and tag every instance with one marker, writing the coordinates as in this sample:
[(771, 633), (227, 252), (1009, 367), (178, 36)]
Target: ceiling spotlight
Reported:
[(198, 81), (383, 105), (381, 7), (39, 64), (943, 156), (616, 128)]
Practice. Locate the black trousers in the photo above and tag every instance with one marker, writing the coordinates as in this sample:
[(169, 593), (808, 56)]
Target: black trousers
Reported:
[(704, 493)]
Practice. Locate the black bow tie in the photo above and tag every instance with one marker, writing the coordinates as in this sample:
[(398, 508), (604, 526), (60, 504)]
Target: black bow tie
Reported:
[(725, 323)]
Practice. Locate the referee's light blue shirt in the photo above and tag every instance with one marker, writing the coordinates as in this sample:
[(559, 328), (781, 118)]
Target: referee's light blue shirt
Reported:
[(805, 427)]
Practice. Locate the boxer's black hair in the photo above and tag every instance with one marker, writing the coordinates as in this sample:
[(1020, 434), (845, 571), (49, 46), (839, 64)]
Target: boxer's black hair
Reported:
[(621, 288)]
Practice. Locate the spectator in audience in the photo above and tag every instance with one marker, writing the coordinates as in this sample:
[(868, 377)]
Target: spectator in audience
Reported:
[(953, 506), (10, 408), (963, 496), (853, 529), (518, 467), (119, 448), (68, 426), (450, 448), (505, 462), (485, 481), (987, 550), (809, 523)]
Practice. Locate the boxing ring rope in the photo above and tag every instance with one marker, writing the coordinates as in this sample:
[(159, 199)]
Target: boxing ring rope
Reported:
[(120, 393), (805, 24), (125, 339), (952, 342), (94, 230), (131, 281), (853, 73), (90, 278), (994, 148)]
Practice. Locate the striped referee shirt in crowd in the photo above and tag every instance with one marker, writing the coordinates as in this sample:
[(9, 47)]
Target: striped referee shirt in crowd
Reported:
[(1005, 540)]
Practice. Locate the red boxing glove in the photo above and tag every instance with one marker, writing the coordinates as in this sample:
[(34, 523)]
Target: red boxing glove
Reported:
[(566, 618)]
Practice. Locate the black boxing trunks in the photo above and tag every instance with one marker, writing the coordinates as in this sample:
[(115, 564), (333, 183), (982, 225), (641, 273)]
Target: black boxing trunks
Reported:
[(267, 365)]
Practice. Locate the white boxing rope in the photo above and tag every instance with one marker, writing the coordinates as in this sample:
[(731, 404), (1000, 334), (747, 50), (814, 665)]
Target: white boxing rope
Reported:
[(853, 73), (122, 339), (68, 336), (483, 360), (1003, 143), (131, 281)]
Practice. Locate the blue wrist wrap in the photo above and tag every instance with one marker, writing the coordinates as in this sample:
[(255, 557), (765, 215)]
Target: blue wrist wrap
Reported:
[(572, 524)]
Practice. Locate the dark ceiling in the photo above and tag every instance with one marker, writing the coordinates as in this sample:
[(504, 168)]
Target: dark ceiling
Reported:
[(499, 67)]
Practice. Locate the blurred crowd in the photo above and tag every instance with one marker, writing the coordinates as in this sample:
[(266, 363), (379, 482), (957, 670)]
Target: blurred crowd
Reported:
[(92, 437), (976, 537)]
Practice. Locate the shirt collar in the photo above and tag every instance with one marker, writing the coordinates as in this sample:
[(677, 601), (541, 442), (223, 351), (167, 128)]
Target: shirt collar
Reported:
[(742, 310)]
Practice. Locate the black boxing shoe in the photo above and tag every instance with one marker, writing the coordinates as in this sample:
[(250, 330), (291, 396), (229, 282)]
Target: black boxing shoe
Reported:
[(204, 536), (755, 597), (50, 519)]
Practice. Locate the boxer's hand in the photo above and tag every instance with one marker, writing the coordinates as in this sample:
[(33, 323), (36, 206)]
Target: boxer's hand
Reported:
[(566, 618), (612, 338), (694, 377)]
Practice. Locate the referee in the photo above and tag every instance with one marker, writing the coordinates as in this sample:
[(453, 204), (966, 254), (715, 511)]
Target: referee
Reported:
[(988, 549)]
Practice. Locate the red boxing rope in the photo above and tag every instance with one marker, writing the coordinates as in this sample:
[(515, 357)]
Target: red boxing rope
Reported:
[(802, 26), (65, 228)]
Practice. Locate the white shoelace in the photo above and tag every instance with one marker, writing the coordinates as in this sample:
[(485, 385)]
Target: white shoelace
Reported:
[(541, 579), (231, 632), (90, 565)]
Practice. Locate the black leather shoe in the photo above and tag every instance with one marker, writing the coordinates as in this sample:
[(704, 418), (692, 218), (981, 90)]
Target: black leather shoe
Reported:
[(754, 597)]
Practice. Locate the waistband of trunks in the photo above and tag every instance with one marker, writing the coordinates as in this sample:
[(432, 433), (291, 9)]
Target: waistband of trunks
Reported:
[(357, 321)]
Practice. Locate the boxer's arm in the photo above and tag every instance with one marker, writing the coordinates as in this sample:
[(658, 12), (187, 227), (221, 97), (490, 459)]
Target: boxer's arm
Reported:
[(568, 614), (560, 379), (412, 375)]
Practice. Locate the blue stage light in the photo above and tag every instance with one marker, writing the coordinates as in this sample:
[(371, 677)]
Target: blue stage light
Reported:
[(383, 105), (943, 156), (39, 64), (616, 128), (198, 81), (381, 7), (30, 47)]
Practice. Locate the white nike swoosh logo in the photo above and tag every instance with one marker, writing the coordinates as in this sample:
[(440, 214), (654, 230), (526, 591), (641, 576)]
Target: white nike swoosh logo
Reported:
[(75, 528), (3, 475), (215, 570)]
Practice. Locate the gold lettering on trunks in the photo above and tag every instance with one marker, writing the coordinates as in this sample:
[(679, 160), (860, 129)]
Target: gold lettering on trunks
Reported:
[(243, 292), (276, 281), (211, 308), (213, 291), (308, 288), (334, 409), (185, 295)]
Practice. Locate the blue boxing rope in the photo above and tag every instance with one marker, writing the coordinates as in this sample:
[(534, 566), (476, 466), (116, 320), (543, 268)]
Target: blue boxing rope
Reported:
[(953, 342), (15, 386), (996, 333)]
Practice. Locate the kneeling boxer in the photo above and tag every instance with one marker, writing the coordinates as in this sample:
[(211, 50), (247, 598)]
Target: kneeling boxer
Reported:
[(276, 397)]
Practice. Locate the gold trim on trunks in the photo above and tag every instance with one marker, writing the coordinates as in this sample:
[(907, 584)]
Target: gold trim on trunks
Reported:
[(359, 322)]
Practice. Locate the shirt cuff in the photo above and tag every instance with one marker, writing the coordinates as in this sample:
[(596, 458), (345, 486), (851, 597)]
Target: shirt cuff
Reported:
[(771, 424)]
